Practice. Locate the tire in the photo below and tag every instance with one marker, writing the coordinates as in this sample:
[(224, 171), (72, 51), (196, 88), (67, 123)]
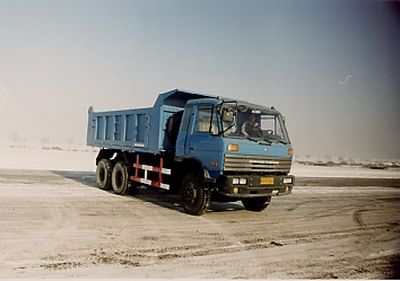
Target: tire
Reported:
[(120, 179), (194, 196), (256, 204), (103, 174), (172, 126)]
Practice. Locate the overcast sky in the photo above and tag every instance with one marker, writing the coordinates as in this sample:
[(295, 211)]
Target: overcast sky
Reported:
[(332, 67)]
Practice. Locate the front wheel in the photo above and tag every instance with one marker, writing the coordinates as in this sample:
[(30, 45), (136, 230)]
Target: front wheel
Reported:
[(194, 195), (257, 204)]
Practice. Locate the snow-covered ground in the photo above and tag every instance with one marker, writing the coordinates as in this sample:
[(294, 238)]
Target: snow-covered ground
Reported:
[(54, 224), (74, 158), (343, 171), (82, 158)]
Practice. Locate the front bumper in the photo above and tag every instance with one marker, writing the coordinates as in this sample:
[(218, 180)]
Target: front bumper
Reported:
[(246, 186)]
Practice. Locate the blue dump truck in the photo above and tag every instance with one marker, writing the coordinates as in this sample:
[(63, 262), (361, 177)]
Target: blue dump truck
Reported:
[(202, 147)]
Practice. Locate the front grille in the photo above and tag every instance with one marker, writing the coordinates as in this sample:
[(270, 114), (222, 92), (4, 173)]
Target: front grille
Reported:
[(256, 164)]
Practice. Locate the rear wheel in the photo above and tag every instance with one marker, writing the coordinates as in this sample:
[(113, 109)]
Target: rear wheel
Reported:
[(194, 195), (257, 204), (120, 179), (103, 174)]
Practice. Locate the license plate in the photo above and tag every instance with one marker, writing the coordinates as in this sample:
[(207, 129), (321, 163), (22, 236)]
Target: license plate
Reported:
[(266, 180)]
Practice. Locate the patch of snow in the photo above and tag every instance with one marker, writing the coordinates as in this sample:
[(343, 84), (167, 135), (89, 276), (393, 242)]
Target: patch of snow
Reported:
[(47, 158), (342, 171), (82, 158)]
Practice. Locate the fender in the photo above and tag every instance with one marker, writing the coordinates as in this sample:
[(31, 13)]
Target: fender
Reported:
[(189, 164)]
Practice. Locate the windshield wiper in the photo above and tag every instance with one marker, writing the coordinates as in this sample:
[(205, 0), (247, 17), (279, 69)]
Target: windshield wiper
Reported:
[(281, 141), (260, 141), (276, 140)]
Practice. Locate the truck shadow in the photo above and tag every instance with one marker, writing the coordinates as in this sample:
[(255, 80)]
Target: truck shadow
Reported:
[(82, 177), (154, 196), (170, 201)]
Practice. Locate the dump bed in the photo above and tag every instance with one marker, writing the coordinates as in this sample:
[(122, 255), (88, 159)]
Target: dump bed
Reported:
[(141, 129)]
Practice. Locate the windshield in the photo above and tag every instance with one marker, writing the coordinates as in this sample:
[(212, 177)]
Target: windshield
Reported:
[(254, 123)]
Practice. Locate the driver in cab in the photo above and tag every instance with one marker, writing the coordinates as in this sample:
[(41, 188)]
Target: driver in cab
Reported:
[(251, 128)]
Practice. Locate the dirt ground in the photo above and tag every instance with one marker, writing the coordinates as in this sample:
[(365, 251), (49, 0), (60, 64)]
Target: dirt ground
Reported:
[(56, 224)]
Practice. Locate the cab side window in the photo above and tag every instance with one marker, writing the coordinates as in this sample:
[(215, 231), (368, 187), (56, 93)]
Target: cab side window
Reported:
[(206, 121)]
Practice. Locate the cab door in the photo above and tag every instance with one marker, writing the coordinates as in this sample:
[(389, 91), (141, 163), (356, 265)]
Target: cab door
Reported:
[(203, 142)]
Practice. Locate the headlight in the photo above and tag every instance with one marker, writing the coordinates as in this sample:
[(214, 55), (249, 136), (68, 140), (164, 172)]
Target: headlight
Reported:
[(241, 181), (287, 180)]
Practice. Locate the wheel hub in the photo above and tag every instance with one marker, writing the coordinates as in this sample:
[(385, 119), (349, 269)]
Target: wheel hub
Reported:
[(190, 193)]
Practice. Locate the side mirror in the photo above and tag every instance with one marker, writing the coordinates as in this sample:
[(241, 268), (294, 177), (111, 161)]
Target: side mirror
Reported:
[(228, 115)]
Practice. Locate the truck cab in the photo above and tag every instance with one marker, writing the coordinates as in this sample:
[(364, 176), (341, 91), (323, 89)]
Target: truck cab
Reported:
[(243, 149)]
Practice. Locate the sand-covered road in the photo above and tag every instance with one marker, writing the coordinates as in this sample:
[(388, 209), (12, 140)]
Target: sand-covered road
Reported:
[(57, 224)]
